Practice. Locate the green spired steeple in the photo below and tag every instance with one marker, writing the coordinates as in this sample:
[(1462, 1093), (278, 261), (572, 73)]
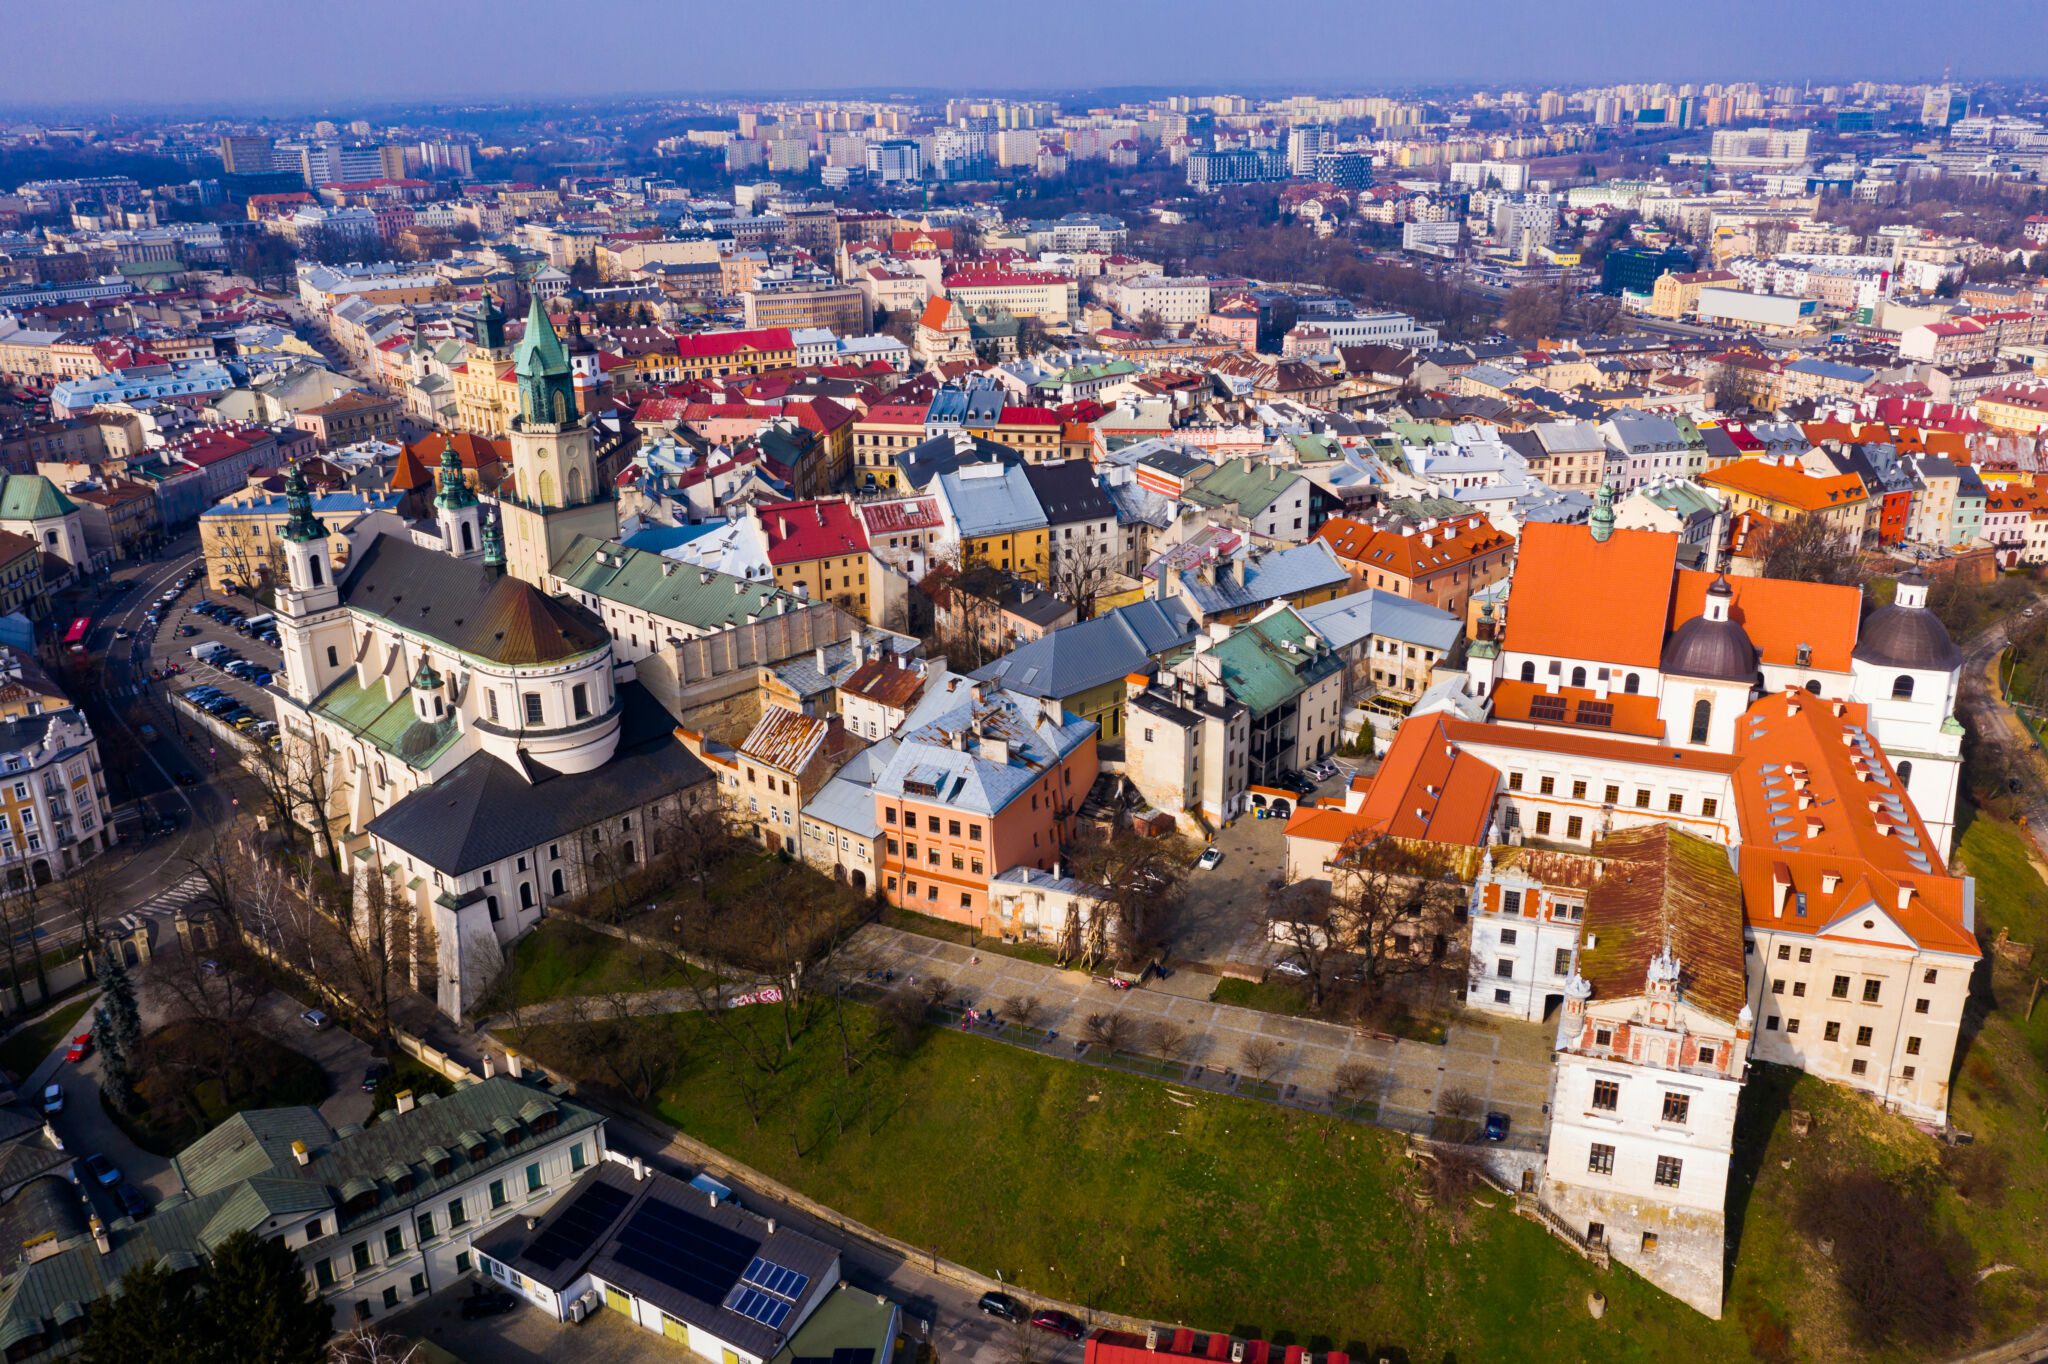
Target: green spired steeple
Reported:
[(1602, 521), (494, 544), (547, 390), (300, 524), (490, 323), (455, 493)]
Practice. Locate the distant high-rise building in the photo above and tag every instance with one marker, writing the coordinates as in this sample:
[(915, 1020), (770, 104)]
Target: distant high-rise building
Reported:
[(1944, 105), (1304, 145), (895, 160), (1244, 165), (241, 155)]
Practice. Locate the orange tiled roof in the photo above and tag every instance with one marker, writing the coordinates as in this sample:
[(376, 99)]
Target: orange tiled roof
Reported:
[(1441, 548), (1788, 485), (1576, 597), (1779, 615), (1826, 818), (1427, 788), (1578, 708)]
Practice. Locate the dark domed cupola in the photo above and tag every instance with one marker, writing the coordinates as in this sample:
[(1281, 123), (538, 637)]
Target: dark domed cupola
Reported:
[(1711, 644), (1906, 634)]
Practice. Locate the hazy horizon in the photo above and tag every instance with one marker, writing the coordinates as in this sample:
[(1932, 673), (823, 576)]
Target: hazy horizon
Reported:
[(310, 55)]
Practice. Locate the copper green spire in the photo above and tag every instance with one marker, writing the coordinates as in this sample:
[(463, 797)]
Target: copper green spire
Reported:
[(455, 493), (494, 544), (1602, 520), (300, 524), (547, 389), (490, 323)]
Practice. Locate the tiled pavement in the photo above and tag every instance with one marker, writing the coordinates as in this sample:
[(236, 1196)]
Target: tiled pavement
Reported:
[(1503, 1064)]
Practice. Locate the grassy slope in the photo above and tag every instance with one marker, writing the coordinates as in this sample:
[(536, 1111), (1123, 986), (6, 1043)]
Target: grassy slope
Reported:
[(1101, 1188), (25, 1050), (560, 958)]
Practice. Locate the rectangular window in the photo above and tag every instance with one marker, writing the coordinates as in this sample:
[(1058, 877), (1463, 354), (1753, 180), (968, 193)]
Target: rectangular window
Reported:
[(1841, 989), (423, 1225), (1600, 1159), (1612, 795), (1507, 937), (579, 701), (1919, 1006), (1928, 979), (1912, 1046), (1562, 965), (1543, 821), (418, 1285), (534, 1183), (576, 1160), (1799, 989), (1505, 968), (462, 1263), (1777, 987), (1642, 800), (1710, 807), (1546, 786), (1668, 1171), (1606, 1095), (1831, 1033), (498, 1199), (1676, 804), (1791, 1026), (1574, 828), (1784, 952), (455, 1214), (359, 1255), (1859, 1067), (313, 1230), (1863, 1036), (1806, 954), (394, 1243), (1677, 1107), (533, 708), (391, 1296), (1511, 901), (1578, 790), (491, 706), (1771, 1023), (1871, 990), (323, 1272), (1514, 781)]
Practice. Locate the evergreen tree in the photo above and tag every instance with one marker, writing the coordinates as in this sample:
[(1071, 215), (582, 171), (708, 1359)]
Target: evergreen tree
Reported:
[(259, 1308), (119, 1000), (116, 1080), (250, 1304)]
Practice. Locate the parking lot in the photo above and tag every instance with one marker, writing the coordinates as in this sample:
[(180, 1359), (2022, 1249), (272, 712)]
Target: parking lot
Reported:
[(173, 646)]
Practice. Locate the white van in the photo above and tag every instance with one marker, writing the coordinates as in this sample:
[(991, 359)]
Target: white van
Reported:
[(202, 652), (256, 623)]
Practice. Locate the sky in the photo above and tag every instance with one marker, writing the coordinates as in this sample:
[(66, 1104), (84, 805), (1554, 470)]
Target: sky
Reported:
[(288, 55)]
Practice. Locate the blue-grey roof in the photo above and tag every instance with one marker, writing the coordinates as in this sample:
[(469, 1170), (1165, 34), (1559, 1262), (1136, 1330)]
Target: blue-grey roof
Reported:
[(1645, 431), (1267, 578), (1832, 369), (975, 777), (662, 539), (991, 499), (1070, 661), (848, 800), (1346, 620)]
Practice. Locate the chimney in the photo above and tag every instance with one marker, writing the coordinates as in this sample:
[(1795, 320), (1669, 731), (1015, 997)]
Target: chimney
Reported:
[(1781, 888), (668, 568), (299, 1152), (514, 1066), (405, 1101), (714, 1199), (1151, 1337), (1236, 1352), (1905, 894), (771, 1226), (639, 1169), (739, 587), (532, 1223), (490, 1065)]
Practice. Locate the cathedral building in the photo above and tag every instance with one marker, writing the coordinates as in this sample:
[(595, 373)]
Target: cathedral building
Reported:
[(463, 734)]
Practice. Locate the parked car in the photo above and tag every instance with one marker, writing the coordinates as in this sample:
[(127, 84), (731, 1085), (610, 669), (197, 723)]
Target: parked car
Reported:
[(1001, 1305), (123, 632), (314, 1019), (81, 1047), (373, 1075), (1496, 1127), (1290, 967), (1059, 1323), (131, 1200), (53, 1099), (487, 1303), (187, 631), (102, 1170), (1212, 857)]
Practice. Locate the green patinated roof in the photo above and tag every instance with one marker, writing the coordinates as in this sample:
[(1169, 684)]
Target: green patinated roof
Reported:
[(1081, 374), (31, 497), (1267, 663), (700, 598), (1315, 449), (390, 725), (1249, 485)]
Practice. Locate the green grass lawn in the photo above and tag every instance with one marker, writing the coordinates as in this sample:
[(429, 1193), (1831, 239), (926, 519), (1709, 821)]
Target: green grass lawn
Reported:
[(927, 926), (25, 1050), (1105, 1188), (1267, 996), (561, 958)]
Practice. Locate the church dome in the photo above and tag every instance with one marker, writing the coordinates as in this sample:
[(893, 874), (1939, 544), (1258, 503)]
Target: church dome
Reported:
[(1900, 636), (1711, 645)]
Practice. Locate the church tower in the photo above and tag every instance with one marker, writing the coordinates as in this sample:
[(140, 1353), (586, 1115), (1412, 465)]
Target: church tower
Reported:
[(455, 509), (557, 494), (312, 627)]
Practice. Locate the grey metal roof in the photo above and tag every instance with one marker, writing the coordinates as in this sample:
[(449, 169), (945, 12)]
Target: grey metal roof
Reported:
[(1268, 578), (1070, 661), (1346, 620), (974, 776), (1068, 492), (848, 800), (486, 810)]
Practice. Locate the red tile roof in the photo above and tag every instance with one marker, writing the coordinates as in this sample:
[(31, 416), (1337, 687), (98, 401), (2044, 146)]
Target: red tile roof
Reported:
[(1553, 609), (801, 531)]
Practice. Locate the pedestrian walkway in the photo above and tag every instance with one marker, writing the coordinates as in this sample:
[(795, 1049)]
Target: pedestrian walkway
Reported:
[(1504, 1066)]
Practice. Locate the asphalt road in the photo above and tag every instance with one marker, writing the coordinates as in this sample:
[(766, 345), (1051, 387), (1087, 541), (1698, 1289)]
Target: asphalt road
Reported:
[(1993, 722)]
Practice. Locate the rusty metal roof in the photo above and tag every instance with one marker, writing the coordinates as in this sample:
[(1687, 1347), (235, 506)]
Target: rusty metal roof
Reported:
[(1661, 888)]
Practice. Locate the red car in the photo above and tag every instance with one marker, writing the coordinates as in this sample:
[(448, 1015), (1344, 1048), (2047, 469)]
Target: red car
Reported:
[(1059, 1323), (81, 1047)]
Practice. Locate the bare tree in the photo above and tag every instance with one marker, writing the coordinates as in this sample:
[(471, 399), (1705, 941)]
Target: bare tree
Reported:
[(1260, 1057), (87, 896), (1025, 1010), (1301, 923), (1172, 1040), (1808, 549), (366, 1343), (1113, 1031), (1390, 914), (1355, 1081), (1077, 570), (1139, 883), (1457, 1111)]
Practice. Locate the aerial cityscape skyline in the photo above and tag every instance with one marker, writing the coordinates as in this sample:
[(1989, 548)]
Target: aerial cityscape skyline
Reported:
[(504, 50)]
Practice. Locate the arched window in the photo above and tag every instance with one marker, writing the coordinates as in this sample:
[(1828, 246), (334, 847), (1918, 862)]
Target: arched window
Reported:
[(547, 489), (1902, 687), (468, 538), (555, 883), (1578, 677), (1905, 773), (313, 567), (1813, 685), (575, 486), (1632, 684), (1528, 671), (526, 895), (1702, 717)]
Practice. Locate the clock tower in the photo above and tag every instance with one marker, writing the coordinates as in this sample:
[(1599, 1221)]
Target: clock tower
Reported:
[(557, 494)]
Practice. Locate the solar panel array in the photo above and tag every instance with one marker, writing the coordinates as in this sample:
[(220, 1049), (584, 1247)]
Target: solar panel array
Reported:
[(752, 1302), (682, 1252), (578, 1226), (784, 1283)]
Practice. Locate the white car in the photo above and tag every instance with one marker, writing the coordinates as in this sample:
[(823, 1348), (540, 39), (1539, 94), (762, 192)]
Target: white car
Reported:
[(53, 1099), (1290, 967), (1211, 857)]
